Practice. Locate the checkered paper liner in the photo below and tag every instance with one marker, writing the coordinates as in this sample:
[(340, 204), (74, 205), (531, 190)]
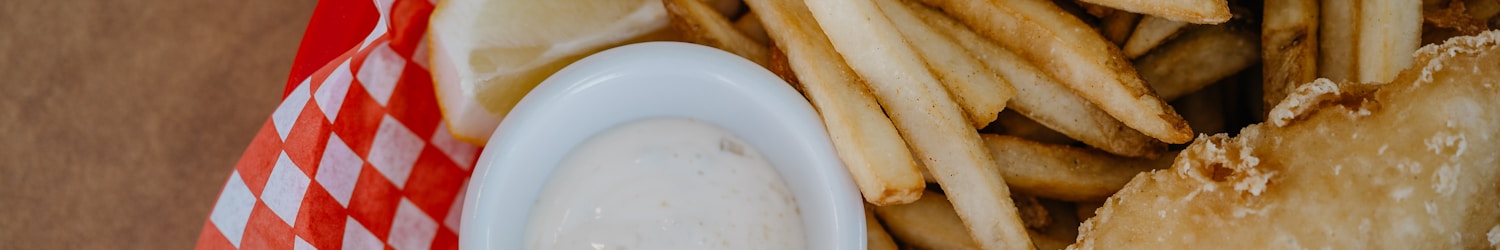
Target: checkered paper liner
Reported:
[(356, 156)]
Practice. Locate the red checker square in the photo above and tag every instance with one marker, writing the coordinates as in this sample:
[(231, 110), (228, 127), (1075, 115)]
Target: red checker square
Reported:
[(374, 201), (445, 240), (318, 77), (211, 239), (357, 61), (336, 27), (408, 25), (358, 120), (321, 219), (416, 105), (255, 165), (435, 182), (265, 230), (307, 139)]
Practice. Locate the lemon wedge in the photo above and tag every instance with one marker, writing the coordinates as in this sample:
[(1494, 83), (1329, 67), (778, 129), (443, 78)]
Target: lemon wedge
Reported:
[(487, 54)]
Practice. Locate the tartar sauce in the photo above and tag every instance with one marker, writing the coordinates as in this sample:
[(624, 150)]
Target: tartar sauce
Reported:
[(665, 184)]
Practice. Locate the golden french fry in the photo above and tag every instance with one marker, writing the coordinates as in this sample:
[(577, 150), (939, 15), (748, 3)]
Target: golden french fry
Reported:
[(1149, 33), (1198, 58), (1015, 124), (750, 25), (1063, 172), (928, 223), (1118, 26), (700, 23), (980, 92), (1070, 51), (1337, 40), (926, 117), (1193, 11), (877, 237), (866, 140), (1041, 98), (1368, 41), (1389, 34), (1289, 48)]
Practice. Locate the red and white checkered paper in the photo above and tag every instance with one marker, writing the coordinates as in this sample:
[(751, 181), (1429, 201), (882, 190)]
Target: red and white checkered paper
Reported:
[(356, 156)]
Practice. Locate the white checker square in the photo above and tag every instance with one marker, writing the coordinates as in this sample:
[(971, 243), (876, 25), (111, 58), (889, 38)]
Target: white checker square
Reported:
[(285, 189), (394, 150), (232, 211), (330, 95), (412, 228), (380, 71), (356, 237), (339, 170), (419, 57), (381, 27), (286, 114), (301, 244), (455, 213), (461, 153)]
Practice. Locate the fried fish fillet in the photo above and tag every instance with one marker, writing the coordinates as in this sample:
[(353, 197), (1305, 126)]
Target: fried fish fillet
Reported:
[(1412, 164)]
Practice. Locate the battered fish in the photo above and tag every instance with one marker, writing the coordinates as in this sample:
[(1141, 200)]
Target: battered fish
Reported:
[(1413, 164)]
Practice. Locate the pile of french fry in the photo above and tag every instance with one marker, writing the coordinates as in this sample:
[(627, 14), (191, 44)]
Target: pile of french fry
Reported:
[(915, 92)]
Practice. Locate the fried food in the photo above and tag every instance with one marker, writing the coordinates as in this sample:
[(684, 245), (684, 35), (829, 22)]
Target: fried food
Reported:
[(1406, 165), (927, 117), (1044, 100), (700, 23), (1200, 57), (878, 238), (1073, 53), (1064, 172), (1367, 41), (1150, 32), (1193, 11), (1289, 48), (865, 139), (980, 92), (928, 223)]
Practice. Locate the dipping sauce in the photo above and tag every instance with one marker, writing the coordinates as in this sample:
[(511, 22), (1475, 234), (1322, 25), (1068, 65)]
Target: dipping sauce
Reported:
[(665, 184)]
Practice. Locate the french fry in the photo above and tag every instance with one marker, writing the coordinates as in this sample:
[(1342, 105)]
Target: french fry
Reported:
[(1048, 242), (1149, 33), (749, 23), (1198, 58), (1289, 48), (980, 92), (1337, 40), (1118, 26), (1064, 172), (1070, 51), (1015, 124), (928, 223), (1368, 41), (1192, 11), (1042, 99), (865, 139), (877, 237), (1389, 34), (926, 117), (699, 23)]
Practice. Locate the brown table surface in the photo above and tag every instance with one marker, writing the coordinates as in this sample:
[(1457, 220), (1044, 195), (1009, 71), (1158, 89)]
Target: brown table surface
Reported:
[(120, 120)]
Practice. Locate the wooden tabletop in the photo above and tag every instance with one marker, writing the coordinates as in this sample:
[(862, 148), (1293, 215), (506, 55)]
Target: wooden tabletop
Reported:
[(120, 120)]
